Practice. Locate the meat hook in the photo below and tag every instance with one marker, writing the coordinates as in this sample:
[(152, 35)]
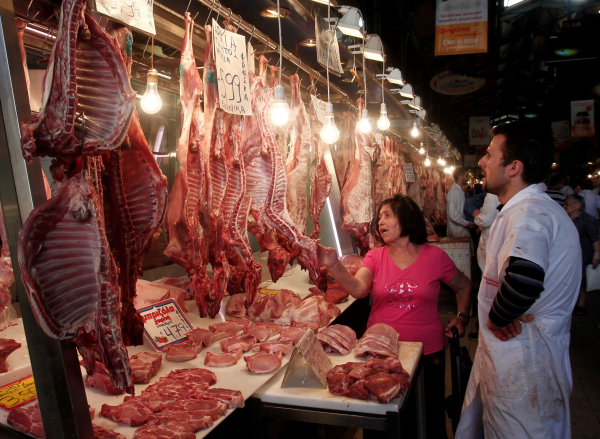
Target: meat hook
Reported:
[(252, 34), (196, 15), (299, 65), (210, 12), (265, 48), (188, 7), (239, 24), (144, 52), (229, 19), (29, 6)]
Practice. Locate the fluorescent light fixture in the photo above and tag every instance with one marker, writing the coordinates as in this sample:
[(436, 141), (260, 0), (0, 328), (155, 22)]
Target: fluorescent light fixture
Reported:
[(352, 22), (407, 92), (326, 2), (509, 3), (337, 240), (395, 77), (373, 48)]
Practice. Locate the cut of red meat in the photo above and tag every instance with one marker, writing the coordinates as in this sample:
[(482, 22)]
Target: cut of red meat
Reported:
[(200, 335), (385, 386), (240, 322), (339, 384), (360, 372), (292, 333), (7, 347), (358, 391), (390, 364), (311, 310), (220, 336), (337, 338), (213, 408), (236, 306), (233, 398), (183, 351), (196, 420), (351, 263), (154, 400), (27, 420), (380, 339), (170, 430), (105, 433), (230, 328), (131, 412), (70, 277), (265, 308), (259, 332), (263, 362), (224, 359), (195, 375), (273, 327), (243, 342), (284, 346), (144, 366), (101, 380)]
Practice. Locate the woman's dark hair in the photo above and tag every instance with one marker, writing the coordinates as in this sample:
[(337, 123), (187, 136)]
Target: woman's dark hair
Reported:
[(410, 217), (532, 144)]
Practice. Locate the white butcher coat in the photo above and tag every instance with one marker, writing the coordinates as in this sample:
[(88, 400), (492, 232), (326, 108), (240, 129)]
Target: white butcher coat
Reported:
[(484, 220), (455, 203), (521, 387)]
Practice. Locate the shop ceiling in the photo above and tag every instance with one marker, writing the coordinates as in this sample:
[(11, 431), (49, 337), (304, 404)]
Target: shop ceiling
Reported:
[(519, 78)]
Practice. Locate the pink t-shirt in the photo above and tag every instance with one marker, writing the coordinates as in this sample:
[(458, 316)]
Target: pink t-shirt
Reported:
[(407, 299)]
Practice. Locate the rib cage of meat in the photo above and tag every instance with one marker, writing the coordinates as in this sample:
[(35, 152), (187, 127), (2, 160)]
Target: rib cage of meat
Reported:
[(85, 74), (343, 157), (320, 179), (381, 170), (357, 194), (70, 276)]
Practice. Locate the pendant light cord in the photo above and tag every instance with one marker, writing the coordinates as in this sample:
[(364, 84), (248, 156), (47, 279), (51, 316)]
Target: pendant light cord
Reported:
[(382, 79), (152, 54), (328, 47), (280, 43)]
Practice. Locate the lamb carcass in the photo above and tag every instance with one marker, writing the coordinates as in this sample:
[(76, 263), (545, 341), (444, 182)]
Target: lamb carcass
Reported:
[(70, 277)]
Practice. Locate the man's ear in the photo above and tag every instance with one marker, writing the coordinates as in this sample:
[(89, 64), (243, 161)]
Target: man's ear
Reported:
[(515, 168)]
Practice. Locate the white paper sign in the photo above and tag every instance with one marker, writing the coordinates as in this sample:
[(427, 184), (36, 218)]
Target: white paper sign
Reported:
[(315, 356), (323, 52), (409, 172), (165, 323), (232, 71), (137, 14), (319, 107), (251, 60), (479, 130)]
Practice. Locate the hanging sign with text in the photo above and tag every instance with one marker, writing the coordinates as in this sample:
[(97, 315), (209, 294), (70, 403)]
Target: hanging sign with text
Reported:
[(409, 173), (17, 394), (138, 14), (328, 50), (231, 58), (165, 323), (319, 107), (461, 26)]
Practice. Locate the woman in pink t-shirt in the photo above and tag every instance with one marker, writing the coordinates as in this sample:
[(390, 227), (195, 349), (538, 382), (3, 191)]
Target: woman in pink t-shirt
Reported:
[(404, 277)]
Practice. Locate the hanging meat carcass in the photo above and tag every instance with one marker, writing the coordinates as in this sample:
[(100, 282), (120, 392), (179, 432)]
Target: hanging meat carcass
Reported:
[(296, 169), (357, 194), (70, 276), (320, 179), (6, 270), (381, 173), (86, 75)]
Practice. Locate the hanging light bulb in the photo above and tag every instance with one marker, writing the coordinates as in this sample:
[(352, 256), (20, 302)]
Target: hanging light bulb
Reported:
[(365, 125), (415, 130), (383, 123), (451, 169), (421, 149), (441, 161), (329, 133), (151, 101), (446, 170), (427, 161), (279, 111)]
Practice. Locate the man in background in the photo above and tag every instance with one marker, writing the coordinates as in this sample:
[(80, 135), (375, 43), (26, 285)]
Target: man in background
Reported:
[(457, 225)]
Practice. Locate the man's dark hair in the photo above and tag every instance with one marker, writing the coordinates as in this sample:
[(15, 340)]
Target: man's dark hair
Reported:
[(555, 179), (458, 171), (532, 144), (410, 217), (586, 183)]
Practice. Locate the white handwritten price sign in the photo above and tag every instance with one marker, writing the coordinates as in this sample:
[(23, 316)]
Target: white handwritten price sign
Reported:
[(165, 323), (409, 172), (138, 14), (319, 107), (315, 356), (232, 71), (18, 393)]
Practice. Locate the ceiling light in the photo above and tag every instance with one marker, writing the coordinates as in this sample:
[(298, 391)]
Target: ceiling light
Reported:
[(280, 112), (326, 2), (395, 77), (352, 22), (373, 48), (407, 92), (427, 161), (271, 12), (365, 125), (383, 123), (415, 130), (329, 133), (441, 161), (589, 175), (421, 149), (309, 42)]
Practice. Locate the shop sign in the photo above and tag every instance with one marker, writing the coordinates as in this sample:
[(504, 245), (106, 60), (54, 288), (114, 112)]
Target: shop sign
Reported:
[(231, 60), (18, 393), (165, 323), (479, 130), (319, 107), (137, 14), (561, 131), (461, 26), (582, 119), (309, 363), (453, 84), (409, 172), (325, 38)]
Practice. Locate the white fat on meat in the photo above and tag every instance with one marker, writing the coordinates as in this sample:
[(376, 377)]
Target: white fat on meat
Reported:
[(144, 366), (337, 339), (380, 339)]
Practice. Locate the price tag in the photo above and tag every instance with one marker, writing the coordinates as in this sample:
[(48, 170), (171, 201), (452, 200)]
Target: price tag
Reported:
[(319, 107), (165, 323), (312, 351), (19, 393), (409, 173), (231, 59), (267, 291), (138, 14)]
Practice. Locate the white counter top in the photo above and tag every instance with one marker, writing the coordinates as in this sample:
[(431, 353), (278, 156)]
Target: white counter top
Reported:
[(272, 392)]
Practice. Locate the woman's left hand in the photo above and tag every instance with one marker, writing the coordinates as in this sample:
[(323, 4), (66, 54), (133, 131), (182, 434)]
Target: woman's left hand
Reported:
[(459, 323)]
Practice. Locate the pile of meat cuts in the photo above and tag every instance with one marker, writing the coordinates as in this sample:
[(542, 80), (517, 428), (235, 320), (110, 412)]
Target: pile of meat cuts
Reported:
[(381, 377), (6, 271)]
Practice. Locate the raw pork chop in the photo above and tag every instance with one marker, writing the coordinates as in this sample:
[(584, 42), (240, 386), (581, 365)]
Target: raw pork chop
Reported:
[(263, 362), (70, 277), (259, 332), (144, 366), (380, 339), (313, 309), (240, 322), (7, 347), (183, 351), (170, 430), (194, 375), (385, 386), (131, 412), (27, 420), (244, 342), (229, 327), (200, 335), (233, 398), (105, 433), (337, 339), (225, 359), (294, 334), (284, 346), (236, 306)]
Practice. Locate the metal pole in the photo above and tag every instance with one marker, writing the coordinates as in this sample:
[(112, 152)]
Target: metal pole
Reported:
[(56, 371)]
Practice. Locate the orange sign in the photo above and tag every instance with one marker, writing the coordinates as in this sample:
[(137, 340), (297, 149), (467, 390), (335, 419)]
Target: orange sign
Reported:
[(461, 27)]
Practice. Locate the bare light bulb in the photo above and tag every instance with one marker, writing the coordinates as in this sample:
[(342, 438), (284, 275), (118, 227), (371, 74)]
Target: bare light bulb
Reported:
[(415, 130), (447, 170), (589, 175), (421, 150), (280, 113), (441, 161), (329, 133), (151, 101), (427, 161), (365, 125), (383, 123)]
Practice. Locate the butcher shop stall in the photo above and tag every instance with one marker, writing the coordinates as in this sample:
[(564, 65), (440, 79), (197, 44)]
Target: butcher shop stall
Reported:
[(169, 173)]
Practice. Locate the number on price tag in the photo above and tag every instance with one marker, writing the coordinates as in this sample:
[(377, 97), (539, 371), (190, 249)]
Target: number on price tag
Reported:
[(19, 393), (165, 323)]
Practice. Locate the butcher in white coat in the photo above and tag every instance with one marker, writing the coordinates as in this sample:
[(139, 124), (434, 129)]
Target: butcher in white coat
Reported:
[(521, 379), (457, 225)]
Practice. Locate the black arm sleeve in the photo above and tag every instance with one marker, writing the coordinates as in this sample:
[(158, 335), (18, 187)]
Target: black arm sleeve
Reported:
[(521, 287)]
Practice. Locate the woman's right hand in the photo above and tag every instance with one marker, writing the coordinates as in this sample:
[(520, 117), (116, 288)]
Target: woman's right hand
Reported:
[(327, 256)]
